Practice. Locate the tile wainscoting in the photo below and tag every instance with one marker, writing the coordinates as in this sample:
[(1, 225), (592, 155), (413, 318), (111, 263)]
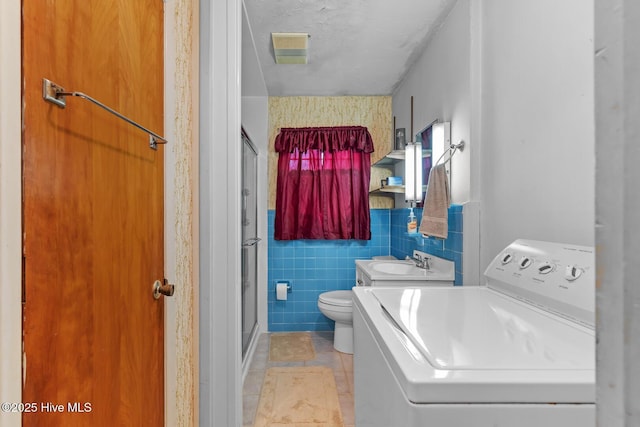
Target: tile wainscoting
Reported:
[(402, 243), (316, 266)]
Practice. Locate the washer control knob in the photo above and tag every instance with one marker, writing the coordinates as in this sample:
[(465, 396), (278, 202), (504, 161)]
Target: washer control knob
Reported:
[(525, 262), (506, 258), (545, 268), (572, 272)]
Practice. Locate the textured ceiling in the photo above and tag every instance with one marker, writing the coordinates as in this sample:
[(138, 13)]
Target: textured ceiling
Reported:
[(357, 47)]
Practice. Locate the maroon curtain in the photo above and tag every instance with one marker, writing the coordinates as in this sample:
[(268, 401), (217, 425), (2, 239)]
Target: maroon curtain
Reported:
[(323, 183)]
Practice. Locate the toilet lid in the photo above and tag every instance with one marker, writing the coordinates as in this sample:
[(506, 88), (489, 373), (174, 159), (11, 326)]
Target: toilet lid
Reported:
[(341, 298)]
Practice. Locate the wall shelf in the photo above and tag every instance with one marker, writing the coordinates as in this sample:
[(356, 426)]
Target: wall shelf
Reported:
[(390, 190), (390, 159), (396, 156), (388, 162)]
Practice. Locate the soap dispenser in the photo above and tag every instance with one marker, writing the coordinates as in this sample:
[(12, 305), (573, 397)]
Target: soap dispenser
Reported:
[(412, 223)]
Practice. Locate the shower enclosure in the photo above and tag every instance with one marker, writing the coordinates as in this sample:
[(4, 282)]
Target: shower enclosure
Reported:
[(250, 241)]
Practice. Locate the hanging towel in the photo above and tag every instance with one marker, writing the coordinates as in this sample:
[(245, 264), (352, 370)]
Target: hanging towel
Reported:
[(436, 204)]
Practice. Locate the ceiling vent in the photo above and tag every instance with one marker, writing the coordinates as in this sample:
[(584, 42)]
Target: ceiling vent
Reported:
[(290, 48)]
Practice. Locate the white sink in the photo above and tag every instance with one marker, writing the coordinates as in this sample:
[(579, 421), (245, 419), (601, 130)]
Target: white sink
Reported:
[(405, 272), (397, 267)]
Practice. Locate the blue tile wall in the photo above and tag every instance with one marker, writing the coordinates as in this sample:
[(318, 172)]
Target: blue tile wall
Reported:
[(402, 243), (313, 267), (316, 266)]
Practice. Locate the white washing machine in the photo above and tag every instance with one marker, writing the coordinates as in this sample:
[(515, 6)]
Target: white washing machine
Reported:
[(518, 351)]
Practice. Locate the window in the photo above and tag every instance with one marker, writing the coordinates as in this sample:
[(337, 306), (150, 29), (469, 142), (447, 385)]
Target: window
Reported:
[(323, 183)]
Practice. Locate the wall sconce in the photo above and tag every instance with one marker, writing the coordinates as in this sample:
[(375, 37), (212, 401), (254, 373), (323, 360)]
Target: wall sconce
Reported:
[(413, 172)]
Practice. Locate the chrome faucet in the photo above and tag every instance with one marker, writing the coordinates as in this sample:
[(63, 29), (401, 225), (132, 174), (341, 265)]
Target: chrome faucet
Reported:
[(421, 262)]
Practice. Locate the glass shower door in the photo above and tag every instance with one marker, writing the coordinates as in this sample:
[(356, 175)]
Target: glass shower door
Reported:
[(250, 241)]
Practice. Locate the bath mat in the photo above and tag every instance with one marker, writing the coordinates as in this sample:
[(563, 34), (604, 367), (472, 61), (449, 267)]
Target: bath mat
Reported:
[(291, 347), (297, 396)]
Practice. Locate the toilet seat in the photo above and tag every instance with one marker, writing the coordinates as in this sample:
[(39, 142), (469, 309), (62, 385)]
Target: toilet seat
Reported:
[(336, 298)]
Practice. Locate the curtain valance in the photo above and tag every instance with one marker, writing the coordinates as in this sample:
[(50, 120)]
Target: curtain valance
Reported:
[(337, 138)]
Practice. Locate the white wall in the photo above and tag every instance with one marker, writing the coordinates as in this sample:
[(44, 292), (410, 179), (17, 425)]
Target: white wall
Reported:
[(439, 83), (442, 83), (537, 157), (617, 61), (516, 82), (253, 83)]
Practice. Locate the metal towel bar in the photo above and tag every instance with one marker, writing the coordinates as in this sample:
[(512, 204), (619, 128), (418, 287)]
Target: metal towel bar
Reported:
[(55, 94), (451, 151)]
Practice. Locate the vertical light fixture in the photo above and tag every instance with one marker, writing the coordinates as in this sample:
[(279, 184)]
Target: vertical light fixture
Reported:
[(413, 172), (440, 139)]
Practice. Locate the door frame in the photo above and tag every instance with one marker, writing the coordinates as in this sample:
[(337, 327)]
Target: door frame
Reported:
[(10, 208), (219, 183), (11, 215)]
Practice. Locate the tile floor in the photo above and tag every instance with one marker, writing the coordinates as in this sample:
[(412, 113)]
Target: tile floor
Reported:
[(340, 363)]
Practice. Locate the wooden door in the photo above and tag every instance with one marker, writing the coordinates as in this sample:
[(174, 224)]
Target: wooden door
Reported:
[(93, 215)]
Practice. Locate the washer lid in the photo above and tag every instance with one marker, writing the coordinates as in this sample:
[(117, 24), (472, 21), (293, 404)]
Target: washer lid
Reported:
[(475, 345), (475, 330), (339, 298)]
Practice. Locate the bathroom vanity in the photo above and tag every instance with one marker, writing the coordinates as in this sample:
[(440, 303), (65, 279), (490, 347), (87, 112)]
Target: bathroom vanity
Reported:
[(435, 270)]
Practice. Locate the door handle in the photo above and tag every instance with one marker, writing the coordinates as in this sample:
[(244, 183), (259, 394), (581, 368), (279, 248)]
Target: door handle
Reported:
[(250, 242), (162, 288)]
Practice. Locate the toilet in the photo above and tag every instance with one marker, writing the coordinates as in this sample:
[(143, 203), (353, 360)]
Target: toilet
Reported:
[(337, 306)]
